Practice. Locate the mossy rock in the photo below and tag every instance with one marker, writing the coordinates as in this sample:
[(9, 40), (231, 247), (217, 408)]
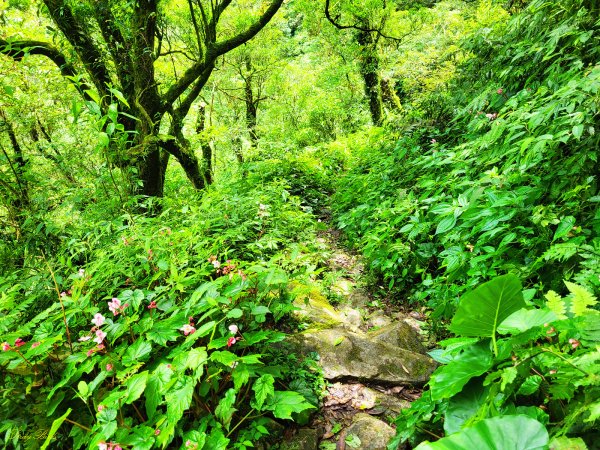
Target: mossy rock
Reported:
[(348, 355), (399, 334), (374, 434)]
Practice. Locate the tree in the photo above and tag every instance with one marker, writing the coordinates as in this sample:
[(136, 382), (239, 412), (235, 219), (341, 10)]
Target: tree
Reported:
[(120, 45), (369, 20)]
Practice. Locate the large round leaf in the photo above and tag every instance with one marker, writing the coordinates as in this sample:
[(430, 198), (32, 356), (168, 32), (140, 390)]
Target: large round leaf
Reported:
[(481, 311), (516, 432)]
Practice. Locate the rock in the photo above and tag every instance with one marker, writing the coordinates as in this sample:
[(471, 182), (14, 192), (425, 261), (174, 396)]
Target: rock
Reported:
[(343, 287), (313, 307), (304, 439), (378, 320), (374, 434), (358, 299), (356, 396), (399, 334), (351, 318), (348, 355)]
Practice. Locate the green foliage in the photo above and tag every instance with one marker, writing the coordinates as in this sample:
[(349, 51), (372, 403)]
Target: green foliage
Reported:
[(480, 395), (510, 185), (150, 328)]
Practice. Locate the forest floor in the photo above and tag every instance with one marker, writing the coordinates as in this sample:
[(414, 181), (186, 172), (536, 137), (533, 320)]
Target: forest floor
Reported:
[(359, 338)]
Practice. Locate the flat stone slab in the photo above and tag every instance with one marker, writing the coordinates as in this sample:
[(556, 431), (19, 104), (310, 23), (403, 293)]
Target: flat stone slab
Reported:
[(349, 355)]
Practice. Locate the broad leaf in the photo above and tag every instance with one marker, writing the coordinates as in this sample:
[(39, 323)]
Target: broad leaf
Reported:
[(448, 380), (482, 310), (517, 432), (463, 406), (225, 409), (525, 319)]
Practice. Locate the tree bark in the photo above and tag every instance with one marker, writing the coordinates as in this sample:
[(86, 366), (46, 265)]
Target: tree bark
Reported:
[(369, 70)]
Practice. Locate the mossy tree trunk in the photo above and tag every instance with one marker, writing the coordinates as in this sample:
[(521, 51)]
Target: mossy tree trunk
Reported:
[(121, 54)]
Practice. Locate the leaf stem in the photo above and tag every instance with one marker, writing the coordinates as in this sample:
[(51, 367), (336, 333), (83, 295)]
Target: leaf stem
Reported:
[(56, 288)]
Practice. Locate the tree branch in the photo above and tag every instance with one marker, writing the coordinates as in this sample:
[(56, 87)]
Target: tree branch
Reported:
[(18, 49), (356, 26), (81, 40), (220, 48)]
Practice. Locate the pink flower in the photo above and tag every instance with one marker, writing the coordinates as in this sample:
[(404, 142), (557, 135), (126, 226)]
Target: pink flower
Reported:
[(90, 352), (100, 335), (115, 306), (102, 446), (63, 294), (117, 447), (100, 347), (100, 408), (187, 329), (233, 328), (98, 320), (35, 344), (5, 346), (231, 341), (84, 338), (433, 141), (109, 367), (157, 432), (500, 91), (152, 305), (19, 342), (169, 366)]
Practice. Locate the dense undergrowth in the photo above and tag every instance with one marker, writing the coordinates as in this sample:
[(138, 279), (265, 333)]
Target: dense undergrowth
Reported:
[(478, 204), (503, 181), (141, 320)]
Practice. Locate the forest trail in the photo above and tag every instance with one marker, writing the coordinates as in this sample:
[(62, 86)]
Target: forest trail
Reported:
[(370, 353)]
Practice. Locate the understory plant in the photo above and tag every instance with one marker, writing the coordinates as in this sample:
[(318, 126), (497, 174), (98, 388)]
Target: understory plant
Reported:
[(521, 373)]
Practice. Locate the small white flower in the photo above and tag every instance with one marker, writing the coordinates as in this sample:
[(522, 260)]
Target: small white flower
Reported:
[(233, 329), (98, 320)]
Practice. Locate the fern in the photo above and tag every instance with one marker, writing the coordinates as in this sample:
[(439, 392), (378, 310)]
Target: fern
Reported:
[(556, 304), (581, 299)]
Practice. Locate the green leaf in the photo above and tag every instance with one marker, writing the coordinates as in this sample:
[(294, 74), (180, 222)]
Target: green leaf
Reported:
[(448, 380), (224, 410), (566, 443), (446, 224), (481, 311), (235, 313), (138, 352), (581, 299), (530, 385), (263, 388), (135, 386), (54, 428), (518, 432), (179, 399), (525, 319), (564, 227), (353, 441), (83, 389), (284, 403), (463, 406), (578, 131), (556, 304)]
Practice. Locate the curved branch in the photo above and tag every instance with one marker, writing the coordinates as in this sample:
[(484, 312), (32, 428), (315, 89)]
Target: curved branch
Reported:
[(356, 26), (214, 51), (17, 49)]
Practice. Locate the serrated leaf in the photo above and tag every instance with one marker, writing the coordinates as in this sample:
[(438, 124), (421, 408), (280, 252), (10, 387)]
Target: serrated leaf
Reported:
[(135, 386), (263, 388), (446, 224), (581, 299), (225, 409), (555, 303), (530, 385), (138, 352), (285, 403)]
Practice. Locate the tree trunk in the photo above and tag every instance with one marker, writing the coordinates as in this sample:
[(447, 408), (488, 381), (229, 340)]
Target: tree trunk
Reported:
[(251, 104), (207, 166), (369, 70)]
